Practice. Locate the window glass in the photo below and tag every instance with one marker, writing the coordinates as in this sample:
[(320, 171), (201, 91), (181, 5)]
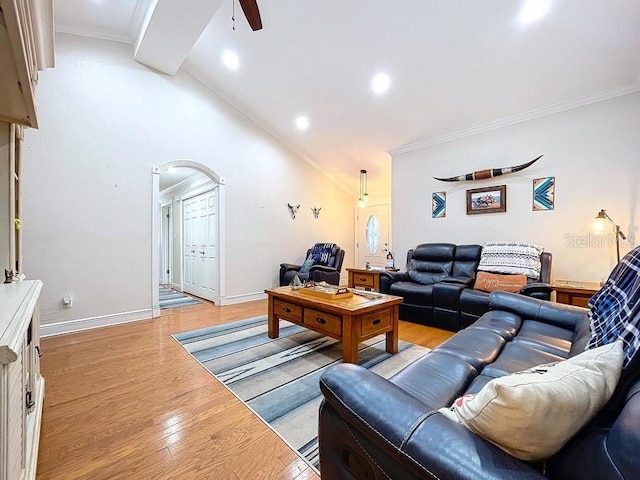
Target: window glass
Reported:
[(373, 234)]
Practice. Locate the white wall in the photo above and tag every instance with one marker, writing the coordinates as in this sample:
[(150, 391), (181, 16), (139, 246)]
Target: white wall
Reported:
[(105, 120), (592, 151)]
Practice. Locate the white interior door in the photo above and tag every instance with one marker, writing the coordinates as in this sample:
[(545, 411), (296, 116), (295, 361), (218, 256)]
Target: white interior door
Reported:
[(372, 235), (200, 237)]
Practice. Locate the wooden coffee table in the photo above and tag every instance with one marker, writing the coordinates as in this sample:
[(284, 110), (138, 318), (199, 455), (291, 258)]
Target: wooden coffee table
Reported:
[(350, 320)]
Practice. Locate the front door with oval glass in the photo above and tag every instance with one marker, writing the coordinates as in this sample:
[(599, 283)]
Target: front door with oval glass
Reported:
[(372, 238)]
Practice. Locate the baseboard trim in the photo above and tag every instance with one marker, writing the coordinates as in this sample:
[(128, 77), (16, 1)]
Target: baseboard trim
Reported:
[(245, 297), (60, 328)]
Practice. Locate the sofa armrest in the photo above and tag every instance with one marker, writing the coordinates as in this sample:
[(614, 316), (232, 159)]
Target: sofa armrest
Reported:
[(565, 316), (537, 290), (466, 281), (322, 268), (405, 437), (387, 278), (289, 266)]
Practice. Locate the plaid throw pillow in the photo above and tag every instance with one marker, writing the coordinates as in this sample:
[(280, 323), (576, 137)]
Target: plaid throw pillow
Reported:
[(511, 257), (614, 311)]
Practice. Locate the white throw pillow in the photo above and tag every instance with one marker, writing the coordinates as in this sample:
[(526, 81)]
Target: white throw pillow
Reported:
[(532, 414)]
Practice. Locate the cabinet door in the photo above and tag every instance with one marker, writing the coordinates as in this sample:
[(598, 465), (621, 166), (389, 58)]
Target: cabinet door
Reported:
[(16, 420)]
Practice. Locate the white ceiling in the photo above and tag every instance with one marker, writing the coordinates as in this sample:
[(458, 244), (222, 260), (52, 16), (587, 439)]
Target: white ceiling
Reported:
[(454, 66)]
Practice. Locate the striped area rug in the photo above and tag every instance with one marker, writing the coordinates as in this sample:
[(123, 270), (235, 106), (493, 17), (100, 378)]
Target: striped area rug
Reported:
[(278, 378), (170, 298)]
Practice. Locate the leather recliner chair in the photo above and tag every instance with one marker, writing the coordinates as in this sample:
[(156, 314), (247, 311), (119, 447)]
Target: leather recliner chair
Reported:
[(328, 271)]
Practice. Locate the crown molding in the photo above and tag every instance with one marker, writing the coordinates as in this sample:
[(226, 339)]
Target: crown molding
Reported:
[(522, 117), (87, 33)]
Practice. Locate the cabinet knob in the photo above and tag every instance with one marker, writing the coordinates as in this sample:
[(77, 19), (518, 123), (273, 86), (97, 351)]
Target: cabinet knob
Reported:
[(377, 321), (286, 310), (321, 320)]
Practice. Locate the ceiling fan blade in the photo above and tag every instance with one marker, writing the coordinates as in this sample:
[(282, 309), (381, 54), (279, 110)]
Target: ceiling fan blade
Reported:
[(250, 9)]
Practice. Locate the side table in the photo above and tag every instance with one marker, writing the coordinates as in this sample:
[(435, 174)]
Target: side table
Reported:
[(574, 293), (363, 278)]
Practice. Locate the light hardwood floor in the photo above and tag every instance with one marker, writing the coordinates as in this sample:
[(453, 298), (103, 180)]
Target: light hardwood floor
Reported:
[(127, 402)]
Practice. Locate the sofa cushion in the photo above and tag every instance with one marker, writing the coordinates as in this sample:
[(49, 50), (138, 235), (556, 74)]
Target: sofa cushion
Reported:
[(516, 357), (514, 412), (511, 258), (490, 282), (549, 338), (428, 273), (447, 378), (413, 293), (466, 259), (476, 349), (505, 324)]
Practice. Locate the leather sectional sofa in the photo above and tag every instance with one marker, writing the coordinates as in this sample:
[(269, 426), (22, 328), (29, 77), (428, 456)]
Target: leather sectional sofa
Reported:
[(437, 285), (375, 428)]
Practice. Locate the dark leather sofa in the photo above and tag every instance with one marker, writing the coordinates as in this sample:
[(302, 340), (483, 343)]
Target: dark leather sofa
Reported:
[(437, 285), (373, 428)]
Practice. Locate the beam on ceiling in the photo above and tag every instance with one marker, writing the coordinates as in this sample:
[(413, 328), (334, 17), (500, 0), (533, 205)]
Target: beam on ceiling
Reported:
[(169, 31)]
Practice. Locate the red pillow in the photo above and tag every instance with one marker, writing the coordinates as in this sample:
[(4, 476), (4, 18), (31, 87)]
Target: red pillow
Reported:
[(490, 282)]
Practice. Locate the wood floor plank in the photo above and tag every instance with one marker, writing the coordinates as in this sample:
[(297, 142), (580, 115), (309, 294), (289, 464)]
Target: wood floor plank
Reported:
[(128, 401)]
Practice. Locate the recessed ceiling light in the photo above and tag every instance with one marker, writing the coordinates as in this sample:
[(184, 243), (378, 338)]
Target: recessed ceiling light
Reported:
[(302, 122), (230, 60), (380, 83), (533, 10)]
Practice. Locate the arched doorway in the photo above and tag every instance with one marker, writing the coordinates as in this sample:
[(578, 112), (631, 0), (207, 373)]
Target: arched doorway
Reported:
[(156, 215)]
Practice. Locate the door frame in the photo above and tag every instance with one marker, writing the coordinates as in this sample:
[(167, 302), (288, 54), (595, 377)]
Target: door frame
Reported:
[(166, 243), (155, 228), (356, 245)]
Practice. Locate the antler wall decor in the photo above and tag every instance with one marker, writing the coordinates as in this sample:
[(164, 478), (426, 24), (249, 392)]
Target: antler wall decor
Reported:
[(489, 173), (316, 211), (293, 210)]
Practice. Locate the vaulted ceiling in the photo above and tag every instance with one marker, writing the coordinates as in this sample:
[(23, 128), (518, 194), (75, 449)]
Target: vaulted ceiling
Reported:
[(455, 67)]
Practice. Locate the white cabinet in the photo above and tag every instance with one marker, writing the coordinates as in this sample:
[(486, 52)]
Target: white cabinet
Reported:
[(26, 46), (21, 385)]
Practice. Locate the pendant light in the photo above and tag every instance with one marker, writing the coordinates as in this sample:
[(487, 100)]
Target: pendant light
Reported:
[(364, 196)]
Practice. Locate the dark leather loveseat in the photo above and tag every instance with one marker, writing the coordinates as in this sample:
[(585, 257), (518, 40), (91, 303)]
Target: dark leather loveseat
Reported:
[(437, 285), (373, 428)]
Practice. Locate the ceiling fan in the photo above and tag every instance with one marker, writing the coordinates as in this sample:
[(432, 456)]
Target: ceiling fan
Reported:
[(250, 9)]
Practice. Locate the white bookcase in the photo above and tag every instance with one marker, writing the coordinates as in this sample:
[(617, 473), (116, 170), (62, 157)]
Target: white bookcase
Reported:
[(21, 385)]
